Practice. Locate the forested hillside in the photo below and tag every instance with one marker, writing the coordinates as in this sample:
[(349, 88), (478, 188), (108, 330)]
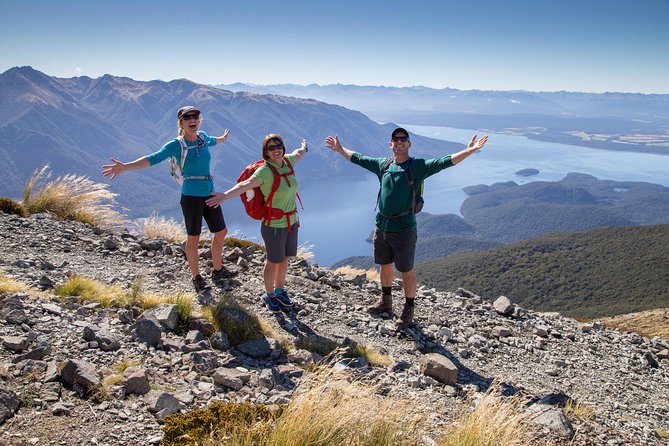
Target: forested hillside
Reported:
[(600, 272)]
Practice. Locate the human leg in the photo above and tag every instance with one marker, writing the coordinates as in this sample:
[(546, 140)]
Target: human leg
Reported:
[(383, 256), (281, 244), (404, 247), (217, 248), (216, 225)]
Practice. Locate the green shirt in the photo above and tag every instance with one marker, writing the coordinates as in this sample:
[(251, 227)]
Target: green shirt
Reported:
[(284, 197), (395, 197)]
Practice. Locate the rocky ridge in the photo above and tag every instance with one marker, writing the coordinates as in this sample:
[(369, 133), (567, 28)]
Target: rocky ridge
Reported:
[(55, 351)]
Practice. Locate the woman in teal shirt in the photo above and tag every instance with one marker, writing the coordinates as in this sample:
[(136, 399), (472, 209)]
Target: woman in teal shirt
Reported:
[(198, 185)]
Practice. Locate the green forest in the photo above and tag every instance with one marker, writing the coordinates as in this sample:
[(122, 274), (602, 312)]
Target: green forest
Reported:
[(589, 274)]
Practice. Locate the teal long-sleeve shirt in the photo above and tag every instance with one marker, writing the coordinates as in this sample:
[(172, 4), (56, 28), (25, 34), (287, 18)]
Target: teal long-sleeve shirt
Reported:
[(197, 164), (395, 196)]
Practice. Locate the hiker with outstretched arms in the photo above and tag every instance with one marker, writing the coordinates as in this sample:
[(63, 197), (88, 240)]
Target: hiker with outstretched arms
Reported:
[(197, 184), (401, 178), (273, 185)]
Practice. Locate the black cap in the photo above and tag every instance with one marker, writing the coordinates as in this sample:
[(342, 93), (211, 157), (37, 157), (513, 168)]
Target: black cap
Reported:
[(399, 130), (186, 109)]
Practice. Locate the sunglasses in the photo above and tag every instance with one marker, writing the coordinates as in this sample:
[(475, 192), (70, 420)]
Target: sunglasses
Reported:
[(189, 116), (275, 147), (400, 138)]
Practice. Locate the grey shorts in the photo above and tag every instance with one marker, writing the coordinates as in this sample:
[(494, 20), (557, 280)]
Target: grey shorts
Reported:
[(279, 242), (398, 247)]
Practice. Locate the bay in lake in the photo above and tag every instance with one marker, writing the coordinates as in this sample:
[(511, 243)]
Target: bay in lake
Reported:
[(339, 216)]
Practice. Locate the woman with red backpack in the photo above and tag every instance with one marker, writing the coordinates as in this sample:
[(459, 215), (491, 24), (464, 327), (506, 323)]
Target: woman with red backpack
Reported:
[(272, 183)]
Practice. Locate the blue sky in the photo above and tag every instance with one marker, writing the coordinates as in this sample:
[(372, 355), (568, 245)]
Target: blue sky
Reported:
[(538, 45)]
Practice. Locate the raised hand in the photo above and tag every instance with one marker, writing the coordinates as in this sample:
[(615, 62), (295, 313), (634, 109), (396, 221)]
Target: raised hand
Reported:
[(224, 137), (332, 143), (113, 169), (477, 145)]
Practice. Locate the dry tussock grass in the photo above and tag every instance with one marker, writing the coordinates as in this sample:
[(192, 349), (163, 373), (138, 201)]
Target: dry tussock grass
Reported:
[(71, 197), (112, 296), (331, 408), (371, 274), (646, 323), (156, 226), (10, 286), (495, 421)]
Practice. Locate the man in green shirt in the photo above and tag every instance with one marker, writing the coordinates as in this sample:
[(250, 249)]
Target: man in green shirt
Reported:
[(395, 233)]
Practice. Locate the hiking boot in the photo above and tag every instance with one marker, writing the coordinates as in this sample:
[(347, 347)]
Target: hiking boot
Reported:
[(383, 305), (200, 284), (271, 302), (219, 274), (406, 318), (284, 299)]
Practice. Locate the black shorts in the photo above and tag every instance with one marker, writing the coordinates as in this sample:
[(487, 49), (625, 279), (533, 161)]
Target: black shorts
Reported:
[(398, 247), (194, 208), (279, 243)]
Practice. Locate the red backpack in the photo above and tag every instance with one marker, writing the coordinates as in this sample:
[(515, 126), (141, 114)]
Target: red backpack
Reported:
[(254, 202)]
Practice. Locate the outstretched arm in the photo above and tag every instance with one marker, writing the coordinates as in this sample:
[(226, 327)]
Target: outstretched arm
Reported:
[(332, 142), (299, 153), (472, 147), (234, 191), (223, 138), (118, 167)]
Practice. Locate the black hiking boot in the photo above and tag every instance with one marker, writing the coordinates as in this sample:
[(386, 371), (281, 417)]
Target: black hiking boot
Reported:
[(406, 318), (200, 284), (218, 275), (383, 305)]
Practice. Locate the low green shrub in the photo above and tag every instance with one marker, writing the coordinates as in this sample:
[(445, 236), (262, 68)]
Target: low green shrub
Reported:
[(245, 423)]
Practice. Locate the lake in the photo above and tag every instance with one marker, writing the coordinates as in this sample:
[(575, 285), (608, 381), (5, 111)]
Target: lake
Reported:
[(339, 216)]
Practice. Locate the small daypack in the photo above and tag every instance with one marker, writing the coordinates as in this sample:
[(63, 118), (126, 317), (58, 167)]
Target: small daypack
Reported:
[(176, 166), (254, 202), (416, 191)]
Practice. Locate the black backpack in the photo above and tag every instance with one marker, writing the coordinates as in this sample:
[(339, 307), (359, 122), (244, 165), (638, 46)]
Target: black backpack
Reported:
[(416, 191)]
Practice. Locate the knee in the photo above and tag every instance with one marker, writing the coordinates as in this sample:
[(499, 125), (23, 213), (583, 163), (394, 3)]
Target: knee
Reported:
[(221, 234)]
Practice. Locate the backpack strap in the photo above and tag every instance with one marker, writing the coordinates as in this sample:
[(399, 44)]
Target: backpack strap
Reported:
[(275, 186), (184, 153)]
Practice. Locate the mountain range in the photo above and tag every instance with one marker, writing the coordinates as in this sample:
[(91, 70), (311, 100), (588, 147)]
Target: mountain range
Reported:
[(613, 121), (77, 124)]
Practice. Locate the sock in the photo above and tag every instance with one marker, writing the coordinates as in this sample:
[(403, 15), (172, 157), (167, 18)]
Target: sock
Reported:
[(278, 290), (386, 290), (410, 301)]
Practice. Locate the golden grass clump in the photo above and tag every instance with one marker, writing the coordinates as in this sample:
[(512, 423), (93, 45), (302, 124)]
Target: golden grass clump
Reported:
[(72, 197), (91, 290), (10, 286), (9, 206), (106, 296), (371, 274), (331, 408), (580, 410), (306, 252), (234, 242), (372, 355), (646, 323), (156, 226), (496, 421), (124, 364)]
